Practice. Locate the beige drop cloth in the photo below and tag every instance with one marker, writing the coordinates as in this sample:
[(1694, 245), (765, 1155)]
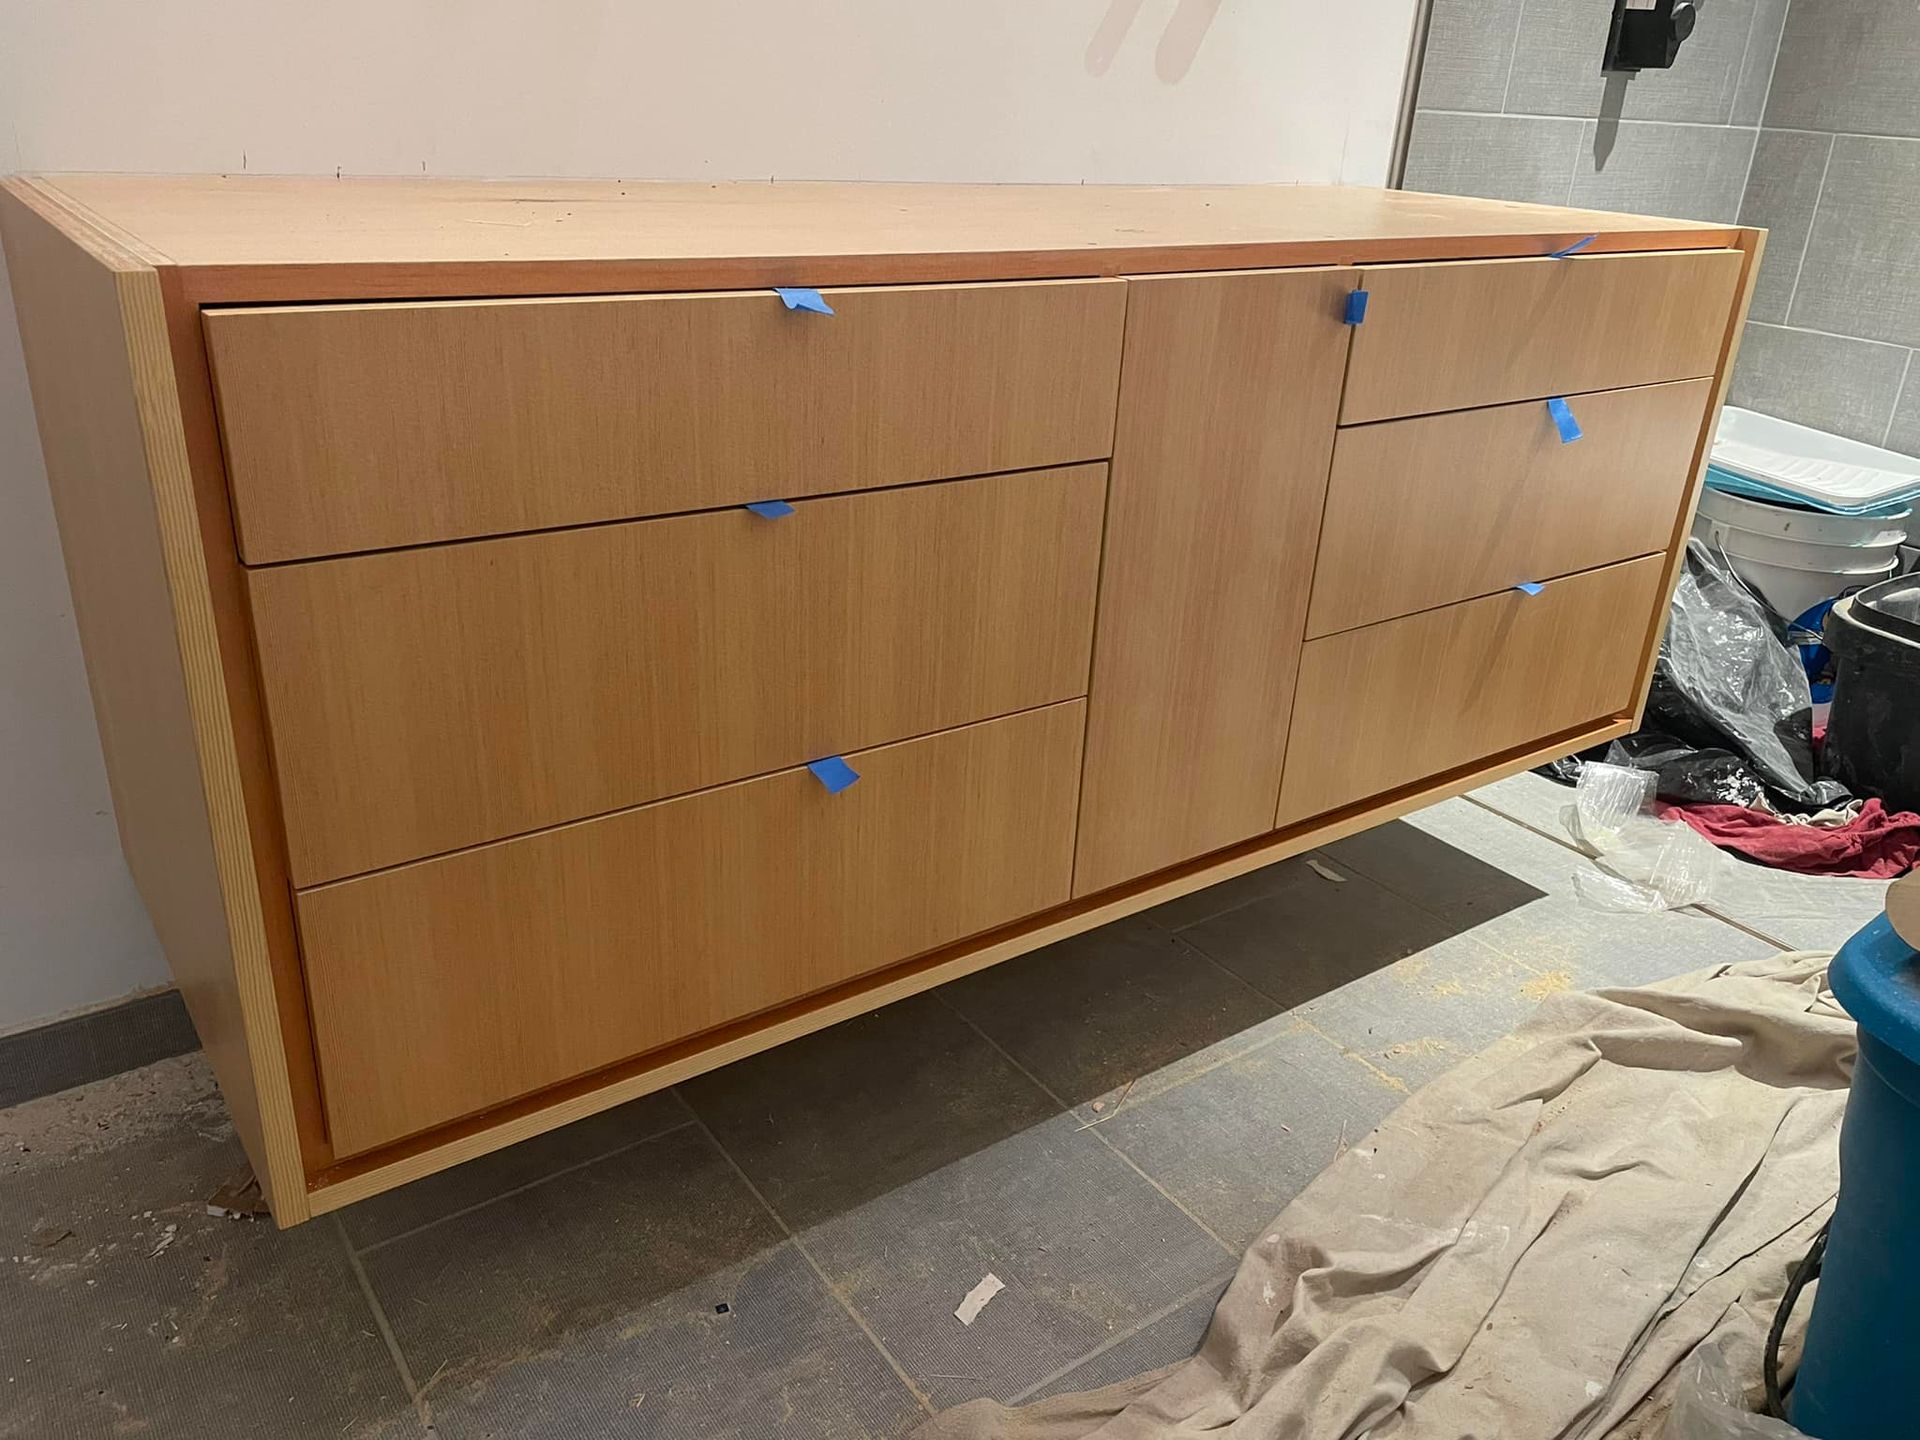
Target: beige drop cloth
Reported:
[(1529, 1246)]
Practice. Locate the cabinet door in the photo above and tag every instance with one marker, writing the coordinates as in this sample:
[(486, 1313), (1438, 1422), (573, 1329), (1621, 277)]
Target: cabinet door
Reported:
[(1229, 389)]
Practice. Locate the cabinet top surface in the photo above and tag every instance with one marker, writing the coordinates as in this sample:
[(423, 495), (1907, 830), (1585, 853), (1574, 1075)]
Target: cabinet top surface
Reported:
[(687, 235)]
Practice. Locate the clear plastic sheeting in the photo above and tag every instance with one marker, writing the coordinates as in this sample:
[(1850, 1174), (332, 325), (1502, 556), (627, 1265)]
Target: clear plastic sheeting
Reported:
[(1708, 1405), (1642, 863), (1730, 716)]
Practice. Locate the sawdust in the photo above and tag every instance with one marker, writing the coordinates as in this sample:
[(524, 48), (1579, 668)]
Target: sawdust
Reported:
[(1543, 986), (1425, 1045), (41, 1134), (1390, 1082)]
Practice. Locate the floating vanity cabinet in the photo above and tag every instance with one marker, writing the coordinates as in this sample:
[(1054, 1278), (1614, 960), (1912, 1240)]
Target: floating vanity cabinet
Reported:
[(543, 652)]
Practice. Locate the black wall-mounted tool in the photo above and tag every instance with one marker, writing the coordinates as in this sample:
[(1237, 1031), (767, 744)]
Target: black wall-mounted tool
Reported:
[(1646, 34)]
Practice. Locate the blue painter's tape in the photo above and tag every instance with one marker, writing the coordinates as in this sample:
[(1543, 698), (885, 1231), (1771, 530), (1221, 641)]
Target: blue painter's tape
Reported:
[(1563, 420), (769, 509), (1356, 306), (834, 773), (796, 297), (1574, 249), (1529, 587)]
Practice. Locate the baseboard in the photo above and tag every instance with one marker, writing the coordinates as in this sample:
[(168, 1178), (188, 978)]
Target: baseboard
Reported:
[(93, 1045)]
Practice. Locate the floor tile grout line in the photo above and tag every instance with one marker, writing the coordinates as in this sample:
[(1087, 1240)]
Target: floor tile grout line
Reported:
[(1066, 1109), (1302, 1023), (533, 1184), (1448, 920), (1116, 1340), (1234, 908), (1744, 928), (1389, 1081), (414, 1397), (844, 1300), (1561, 841)]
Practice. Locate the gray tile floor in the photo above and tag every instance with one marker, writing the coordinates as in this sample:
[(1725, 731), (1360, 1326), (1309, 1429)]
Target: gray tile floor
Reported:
[(777, 1249)]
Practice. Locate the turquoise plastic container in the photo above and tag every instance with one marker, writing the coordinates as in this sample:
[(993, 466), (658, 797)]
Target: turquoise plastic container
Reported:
[(1860, 1375)]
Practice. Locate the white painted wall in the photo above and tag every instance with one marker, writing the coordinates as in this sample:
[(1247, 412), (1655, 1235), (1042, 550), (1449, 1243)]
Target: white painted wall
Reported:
[(1152, 91)]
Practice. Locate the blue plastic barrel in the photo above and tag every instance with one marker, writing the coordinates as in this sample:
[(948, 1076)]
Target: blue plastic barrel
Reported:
[(1860, 1374)]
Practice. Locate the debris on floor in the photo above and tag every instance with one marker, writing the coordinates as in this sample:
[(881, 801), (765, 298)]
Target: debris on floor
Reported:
[(1641, 863), (976, 1299), (238, 1198)]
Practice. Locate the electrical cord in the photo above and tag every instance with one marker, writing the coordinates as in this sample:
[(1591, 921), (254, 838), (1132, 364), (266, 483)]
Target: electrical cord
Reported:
[(1804, 1274)]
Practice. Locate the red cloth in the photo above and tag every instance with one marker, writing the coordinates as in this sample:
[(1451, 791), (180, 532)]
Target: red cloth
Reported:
[(1873, 843)]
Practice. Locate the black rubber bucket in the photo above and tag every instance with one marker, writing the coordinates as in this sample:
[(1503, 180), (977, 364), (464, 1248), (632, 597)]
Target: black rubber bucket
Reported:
[(1873, 734)]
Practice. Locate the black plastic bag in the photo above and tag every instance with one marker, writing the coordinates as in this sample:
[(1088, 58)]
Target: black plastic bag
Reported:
[(1729, 719)]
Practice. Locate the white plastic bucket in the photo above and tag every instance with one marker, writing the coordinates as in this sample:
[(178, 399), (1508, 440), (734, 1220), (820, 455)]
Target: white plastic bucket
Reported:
[(1797, 554), (1796, 558), (1783, 522), (1909, 559), (1792, 591)]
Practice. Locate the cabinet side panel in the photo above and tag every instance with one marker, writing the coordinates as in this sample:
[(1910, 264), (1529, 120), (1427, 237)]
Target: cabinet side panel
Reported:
[(92, 323), (1751, 245), (1228, 394)]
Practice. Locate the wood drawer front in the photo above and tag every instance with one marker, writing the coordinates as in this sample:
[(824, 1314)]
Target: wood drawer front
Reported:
[(442, 988), (1407, 699), (1481, 332), (363, 427), (423, 700), (1438, 508)]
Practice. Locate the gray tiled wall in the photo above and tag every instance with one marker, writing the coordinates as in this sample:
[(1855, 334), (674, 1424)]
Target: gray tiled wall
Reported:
[(1802, 116), (1513, 104)]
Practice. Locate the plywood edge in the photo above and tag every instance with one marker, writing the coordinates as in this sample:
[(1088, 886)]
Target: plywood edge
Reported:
[(249, 1064), (150, 352), (1750, 243), (94, 233), (217, 284), (259, 238), (384, 1170)]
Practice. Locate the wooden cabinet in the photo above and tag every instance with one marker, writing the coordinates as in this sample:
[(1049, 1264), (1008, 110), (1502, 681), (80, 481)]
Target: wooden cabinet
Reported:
[(461, 720)]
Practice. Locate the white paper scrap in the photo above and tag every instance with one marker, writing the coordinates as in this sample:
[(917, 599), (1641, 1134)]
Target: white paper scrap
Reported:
[(977, 1298)]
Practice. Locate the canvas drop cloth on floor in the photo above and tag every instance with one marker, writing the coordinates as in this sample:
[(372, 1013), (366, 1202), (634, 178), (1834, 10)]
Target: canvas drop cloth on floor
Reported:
[(1531, 1244)]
